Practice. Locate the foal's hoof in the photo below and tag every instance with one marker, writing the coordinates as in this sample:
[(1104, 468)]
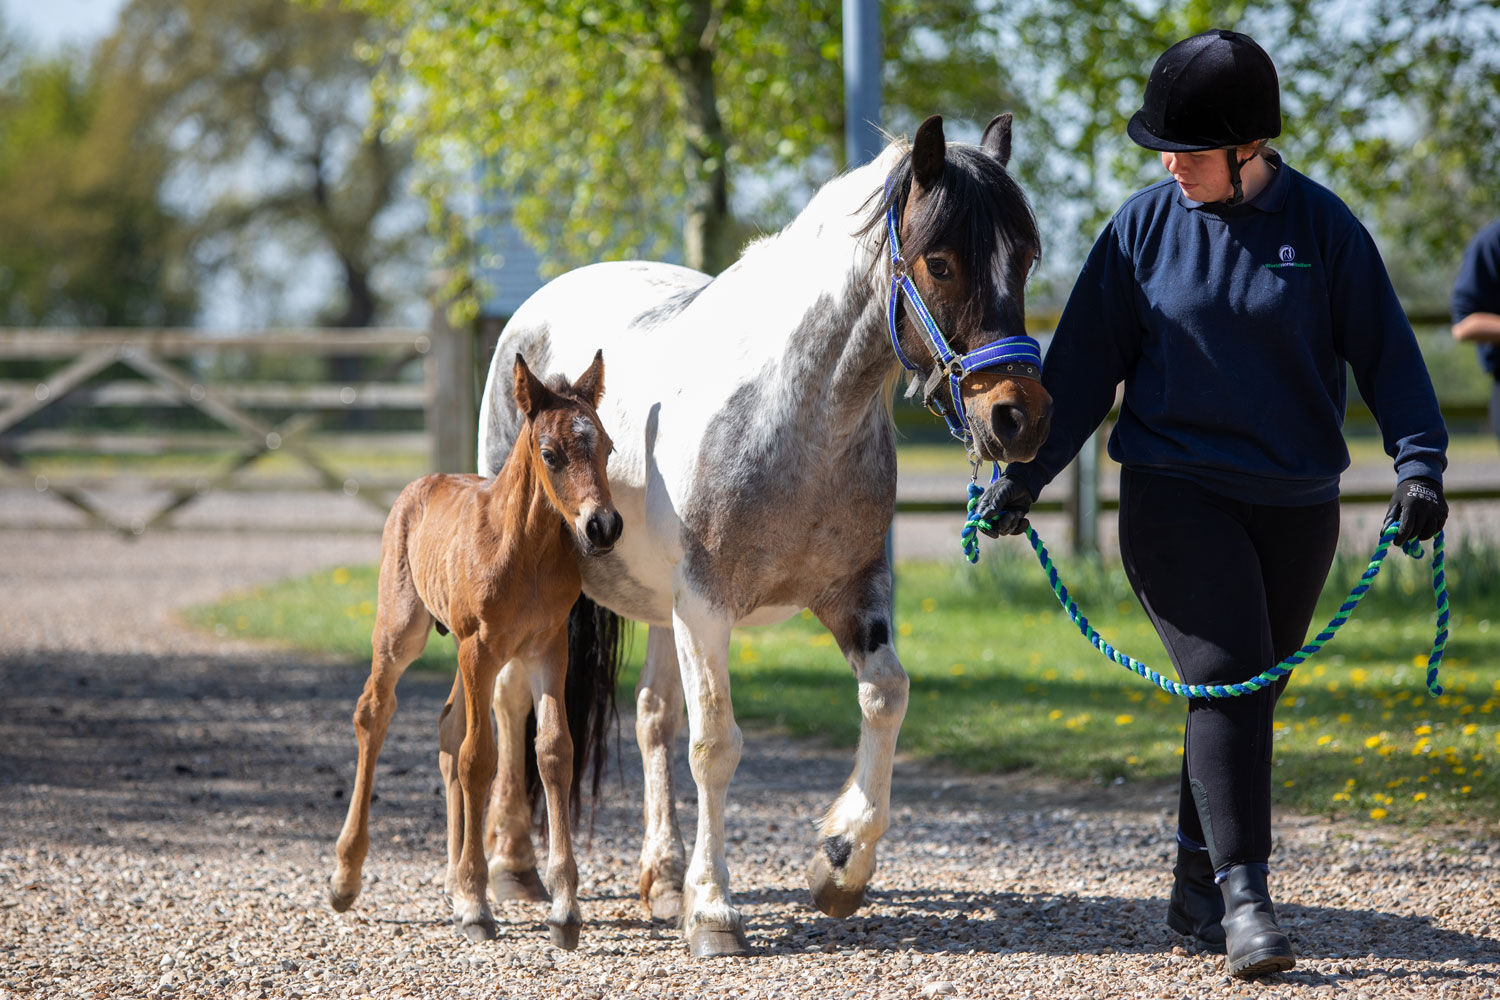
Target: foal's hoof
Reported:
[(564, 936), (704, 942), (524, 885), (828, 896), (481, 930), (341, 901)]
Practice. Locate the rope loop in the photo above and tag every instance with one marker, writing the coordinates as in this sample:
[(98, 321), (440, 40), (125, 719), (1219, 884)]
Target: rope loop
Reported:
[(970, 542)]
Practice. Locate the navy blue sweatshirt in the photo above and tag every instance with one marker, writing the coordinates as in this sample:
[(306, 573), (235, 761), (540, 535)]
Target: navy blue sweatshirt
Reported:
[(1477, 287), (1230, 328)]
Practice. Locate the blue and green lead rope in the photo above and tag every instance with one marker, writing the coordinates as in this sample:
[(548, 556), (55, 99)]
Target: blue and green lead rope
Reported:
[(970, 539)]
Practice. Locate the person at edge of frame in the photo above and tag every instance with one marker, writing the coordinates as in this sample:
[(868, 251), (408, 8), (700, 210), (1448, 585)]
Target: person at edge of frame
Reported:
[(1228, 298), (1476, 308)]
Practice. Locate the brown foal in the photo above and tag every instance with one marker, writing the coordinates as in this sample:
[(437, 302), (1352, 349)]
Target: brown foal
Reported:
[(495, 562)]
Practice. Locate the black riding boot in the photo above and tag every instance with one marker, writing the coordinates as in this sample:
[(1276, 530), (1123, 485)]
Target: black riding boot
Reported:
[(1197, 905), (1255, 946)]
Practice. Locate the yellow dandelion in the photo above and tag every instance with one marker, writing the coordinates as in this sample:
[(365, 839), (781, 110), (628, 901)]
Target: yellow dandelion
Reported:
[(1124, 720), (1324, 740), (1359, 675), (957, 670), (1418, 796), (1055, 714), (904, 628), (1466, 789), (1372, 742), (929, 604), (1132, 759), (1471, 729), (1288, 783), (822, 639), (1422, 731), (1359, 760), (341, 576), (1345, 718), (1419, 661), (1377, 814)]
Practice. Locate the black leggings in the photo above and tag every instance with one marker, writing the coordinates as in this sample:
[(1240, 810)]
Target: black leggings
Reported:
[(1231, 588)]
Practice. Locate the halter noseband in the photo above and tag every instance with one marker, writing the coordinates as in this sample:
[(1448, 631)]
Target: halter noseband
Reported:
[(1019, 355)]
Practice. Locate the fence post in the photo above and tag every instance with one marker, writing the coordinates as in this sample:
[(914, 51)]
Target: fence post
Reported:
[(451, 412), (1083, 508)]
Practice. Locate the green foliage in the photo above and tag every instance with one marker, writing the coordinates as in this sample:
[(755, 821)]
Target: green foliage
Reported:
[(83, 236), (1002, 680)]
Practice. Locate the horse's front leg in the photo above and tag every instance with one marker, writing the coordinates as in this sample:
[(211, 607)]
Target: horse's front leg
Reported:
[(476, 771), (710, 923), (554, 760), (658, 715), (508, 820), (859, 616)]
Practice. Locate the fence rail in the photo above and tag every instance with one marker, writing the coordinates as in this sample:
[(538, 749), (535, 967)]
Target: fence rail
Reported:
[(98, 375)]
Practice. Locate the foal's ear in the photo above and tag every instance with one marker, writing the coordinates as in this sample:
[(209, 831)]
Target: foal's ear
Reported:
[(531, 392), (590, 384), (928, 151), (996, 138)]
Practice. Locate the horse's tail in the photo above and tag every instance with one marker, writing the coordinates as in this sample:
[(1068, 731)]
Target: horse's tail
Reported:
[(598, 640)]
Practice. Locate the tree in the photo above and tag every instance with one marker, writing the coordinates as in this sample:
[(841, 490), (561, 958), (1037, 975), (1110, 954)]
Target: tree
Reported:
[(620, 129), (84, 239), (280, 156)]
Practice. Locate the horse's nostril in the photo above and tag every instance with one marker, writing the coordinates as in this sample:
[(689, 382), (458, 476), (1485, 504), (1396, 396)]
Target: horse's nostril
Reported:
[(1007, 421), (603, 530)]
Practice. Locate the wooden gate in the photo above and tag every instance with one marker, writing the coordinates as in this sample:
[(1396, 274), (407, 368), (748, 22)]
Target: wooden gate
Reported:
[(100, 373)]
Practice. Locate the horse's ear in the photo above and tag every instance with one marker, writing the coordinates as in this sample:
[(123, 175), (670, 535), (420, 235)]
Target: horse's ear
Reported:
[(531, 392), (590, 384), (928, 151), (996, 138)]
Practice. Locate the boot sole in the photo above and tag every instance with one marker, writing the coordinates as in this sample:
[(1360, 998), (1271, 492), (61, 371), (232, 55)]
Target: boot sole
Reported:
[(1265, 962)]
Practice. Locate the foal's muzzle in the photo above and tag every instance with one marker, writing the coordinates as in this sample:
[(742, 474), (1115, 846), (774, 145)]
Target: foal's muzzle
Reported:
[(602, 530)]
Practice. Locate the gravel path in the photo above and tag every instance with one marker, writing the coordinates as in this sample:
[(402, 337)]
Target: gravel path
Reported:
[(168, 803)]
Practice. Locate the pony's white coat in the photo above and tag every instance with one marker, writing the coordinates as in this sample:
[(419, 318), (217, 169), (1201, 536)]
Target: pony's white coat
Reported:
[(754, 467)]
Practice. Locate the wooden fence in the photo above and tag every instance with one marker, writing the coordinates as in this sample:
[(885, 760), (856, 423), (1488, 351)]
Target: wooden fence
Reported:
[(94, 373)]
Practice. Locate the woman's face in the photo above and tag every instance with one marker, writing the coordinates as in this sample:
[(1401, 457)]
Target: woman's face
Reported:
[(1202, 176)]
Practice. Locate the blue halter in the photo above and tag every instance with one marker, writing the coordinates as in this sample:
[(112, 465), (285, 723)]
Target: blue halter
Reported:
[(1019, 355)]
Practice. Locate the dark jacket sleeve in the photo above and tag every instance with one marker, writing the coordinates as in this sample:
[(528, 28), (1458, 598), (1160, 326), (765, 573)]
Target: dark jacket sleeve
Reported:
[(1096, 344), (1476, 286), (1375, 338)]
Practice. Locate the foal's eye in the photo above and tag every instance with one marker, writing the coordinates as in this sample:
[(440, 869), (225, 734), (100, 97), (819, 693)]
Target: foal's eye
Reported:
[(938, 268), (553, 458)]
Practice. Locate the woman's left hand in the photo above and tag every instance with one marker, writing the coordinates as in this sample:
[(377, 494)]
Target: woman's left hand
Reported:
[(1417, 509)]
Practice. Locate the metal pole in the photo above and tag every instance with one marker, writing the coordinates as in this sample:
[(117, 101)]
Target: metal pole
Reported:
[(862, 60)]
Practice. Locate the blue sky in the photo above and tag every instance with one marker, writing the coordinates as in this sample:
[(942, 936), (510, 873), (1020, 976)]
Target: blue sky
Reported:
[(50, 23)]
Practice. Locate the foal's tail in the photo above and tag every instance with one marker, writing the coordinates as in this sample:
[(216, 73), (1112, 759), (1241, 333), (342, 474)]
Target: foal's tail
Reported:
[(598, 640)]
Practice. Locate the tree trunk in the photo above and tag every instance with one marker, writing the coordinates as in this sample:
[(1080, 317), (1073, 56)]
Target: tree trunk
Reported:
[(705, 233)]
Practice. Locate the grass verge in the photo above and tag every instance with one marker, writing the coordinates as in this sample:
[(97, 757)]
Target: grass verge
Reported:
[(1002, 680)]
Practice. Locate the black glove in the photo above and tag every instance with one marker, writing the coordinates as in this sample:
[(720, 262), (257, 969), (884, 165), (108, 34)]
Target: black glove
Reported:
[(1004, 504), (1417, 509)]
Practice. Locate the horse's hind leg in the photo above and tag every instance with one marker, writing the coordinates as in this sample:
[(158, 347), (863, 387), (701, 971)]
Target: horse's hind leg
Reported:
[(859, 617), (554, 758), (401, 627), (507, 825), (658, 715)]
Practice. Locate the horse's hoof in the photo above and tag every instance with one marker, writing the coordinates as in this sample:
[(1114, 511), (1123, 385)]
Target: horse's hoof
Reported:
[(564, 936), (341, 901), (828, 896), (524, 885), (481, 930), (704, 942), (666, 906)]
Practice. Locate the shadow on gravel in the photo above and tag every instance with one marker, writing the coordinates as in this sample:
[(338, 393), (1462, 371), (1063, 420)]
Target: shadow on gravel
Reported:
[(1004, 923), (101, 749)]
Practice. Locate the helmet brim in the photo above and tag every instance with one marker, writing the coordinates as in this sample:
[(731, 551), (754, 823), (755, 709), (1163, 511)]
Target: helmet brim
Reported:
[(1142, 136)]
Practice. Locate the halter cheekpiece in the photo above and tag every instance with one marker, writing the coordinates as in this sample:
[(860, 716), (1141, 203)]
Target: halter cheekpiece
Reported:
[(1019, 355)]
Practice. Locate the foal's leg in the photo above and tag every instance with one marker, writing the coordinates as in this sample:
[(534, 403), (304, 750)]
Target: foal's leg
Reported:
[(450, 739), (476, 772), (658, 715), (859, 616), (401, 628), (507, 823), (710, 923), (554, 758)]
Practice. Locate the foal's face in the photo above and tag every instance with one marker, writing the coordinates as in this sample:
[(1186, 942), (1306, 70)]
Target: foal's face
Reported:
[(570, 453), (976, 246)]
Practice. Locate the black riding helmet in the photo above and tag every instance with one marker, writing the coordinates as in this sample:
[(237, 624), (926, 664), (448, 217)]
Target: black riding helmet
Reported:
[(1211, 91)]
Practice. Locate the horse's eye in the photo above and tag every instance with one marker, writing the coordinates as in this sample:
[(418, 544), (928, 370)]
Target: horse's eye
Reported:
[(553, 459), (938, 268)]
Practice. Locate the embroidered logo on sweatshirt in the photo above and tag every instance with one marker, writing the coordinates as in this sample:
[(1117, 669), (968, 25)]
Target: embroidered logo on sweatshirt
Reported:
[(1288, 255)]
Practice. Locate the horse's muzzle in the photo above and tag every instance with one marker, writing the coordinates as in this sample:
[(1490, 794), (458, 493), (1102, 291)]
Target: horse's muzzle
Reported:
[(602, 530)]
